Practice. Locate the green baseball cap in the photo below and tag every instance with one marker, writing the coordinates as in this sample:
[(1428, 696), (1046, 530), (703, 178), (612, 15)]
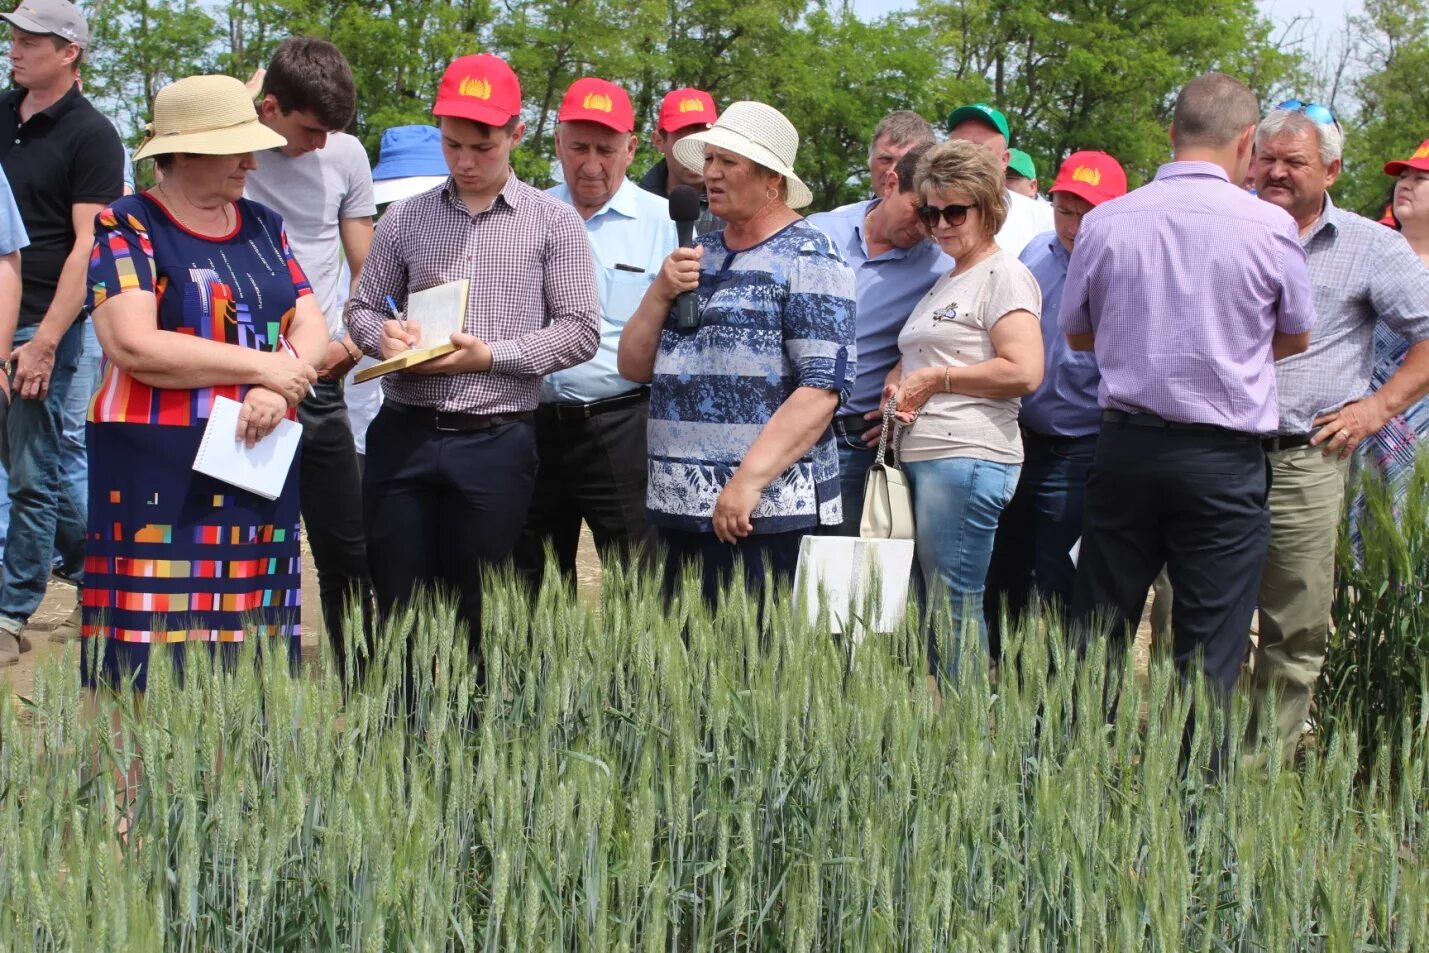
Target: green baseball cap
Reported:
[(982, 112), (1021, 163)]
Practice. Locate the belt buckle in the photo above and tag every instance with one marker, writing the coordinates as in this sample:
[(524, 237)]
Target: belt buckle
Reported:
[(437, 417)]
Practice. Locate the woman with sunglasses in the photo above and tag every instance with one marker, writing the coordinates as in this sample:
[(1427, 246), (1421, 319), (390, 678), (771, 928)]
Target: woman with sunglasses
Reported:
[(970, 351)]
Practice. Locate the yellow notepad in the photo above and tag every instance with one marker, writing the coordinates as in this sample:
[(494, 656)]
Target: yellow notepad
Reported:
[(441, 312)]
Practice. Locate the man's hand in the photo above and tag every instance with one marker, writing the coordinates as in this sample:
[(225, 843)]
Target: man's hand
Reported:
[(337, 361), (1342, 431), (472, 356), (259, 416), (397, 339), (733, 508), (872, 434), (34, 362)]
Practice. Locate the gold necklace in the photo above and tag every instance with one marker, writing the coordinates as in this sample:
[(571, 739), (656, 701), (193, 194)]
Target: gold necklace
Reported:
[(173, 210)]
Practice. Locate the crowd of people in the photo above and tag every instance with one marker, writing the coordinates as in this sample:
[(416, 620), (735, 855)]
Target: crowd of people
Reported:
[(1091, 389)]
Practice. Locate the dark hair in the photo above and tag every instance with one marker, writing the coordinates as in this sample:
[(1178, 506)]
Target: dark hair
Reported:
[(1212, 110), (908, 165), (312, 76), (60, 44), (164, 161)]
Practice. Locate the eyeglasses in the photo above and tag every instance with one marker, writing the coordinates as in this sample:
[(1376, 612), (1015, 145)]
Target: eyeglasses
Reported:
[(1313, 111), (954, 215)]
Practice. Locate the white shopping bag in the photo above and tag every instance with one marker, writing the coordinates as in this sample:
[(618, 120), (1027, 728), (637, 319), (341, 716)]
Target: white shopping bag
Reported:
[(844, 571)]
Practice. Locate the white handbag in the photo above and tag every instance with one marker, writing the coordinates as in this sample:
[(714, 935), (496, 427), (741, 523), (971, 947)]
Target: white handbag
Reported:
[(887, 500)]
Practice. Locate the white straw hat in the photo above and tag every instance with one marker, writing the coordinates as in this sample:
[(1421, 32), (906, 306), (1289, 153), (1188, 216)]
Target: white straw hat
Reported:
[(206, 115), (759, 133)]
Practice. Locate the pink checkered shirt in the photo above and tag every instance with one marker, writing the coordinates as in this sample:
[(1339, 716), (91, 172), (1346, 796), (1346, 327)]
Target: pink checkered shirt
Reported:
[(533, 293)]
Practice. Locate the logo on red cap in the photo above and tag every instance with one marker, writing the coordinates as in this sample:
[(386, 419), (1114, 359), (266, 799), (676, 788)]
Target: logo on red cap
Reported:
[(682, 108), (1094, 176), (597, 100), (480, 88), (1090, 176)]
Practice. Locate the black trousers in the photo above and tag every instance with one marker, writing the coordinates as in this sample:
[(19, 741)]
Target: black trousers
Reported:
[(330, 499), (593, 470), (1196, 502), (778, 553), (442, 506)]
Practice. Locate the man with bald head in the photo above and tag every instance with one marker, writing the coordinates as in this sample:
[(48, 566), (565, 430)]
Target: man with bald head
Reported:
[(1362, 273), (1188, 384), (986, 126)]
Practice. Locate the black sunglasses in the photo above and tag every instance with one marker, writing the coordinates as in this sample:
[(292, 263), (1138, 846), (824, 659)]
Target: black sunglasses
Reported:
[(954, 215)]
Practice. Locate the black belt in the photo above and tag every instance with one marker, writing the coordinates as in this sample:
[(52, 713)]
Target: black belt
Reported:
[(1056, 440), (1288, 442), (453, 421), (851, 425), (1153, 422), (568, 412)]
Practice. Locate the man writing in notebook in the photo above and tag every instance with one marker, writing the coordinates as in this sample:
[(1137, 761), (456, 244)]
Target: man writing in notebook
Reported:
[(451, 457)]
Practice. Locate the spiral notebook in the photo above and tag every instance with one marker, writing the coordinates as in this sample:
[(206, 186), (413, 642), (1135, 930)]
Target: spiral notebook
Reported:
[(262, 468)]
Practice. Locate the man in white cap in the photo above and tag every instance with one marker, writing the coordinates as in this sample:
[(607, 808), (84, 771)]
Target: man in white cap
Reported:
[(65, 163)]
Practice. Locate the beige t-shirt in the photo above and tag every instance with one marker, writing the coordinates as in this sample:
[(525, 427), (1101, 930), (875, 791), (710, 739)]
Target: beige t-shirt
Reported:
[(949, 327)]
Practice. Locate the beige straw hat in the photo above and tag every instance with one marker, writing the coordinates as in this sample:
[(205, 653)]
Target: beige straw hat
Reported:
[(756, 131), (206, 115)]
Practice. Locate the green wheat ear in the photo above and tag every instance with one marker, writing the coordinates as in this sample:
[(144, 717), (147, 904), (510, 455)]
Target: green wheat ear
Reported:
[(637, 775)]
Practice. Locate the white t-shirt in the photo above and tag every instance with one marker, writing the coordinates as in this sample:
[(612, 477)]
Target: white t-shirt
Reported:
[(313, 192), (950, 328), (1026, 219)]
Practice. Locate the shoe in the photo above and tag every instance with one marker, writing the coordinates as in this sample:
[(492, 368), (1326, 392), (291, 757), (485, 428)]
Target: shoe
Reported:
[(67, 629), (25, 643), (9, 648), (57, 572)]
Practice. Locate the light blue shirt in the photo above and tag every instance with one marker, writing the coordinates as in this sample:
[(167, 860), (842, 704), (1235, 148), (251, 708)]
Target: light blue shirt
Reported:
[(1065, 405), (630, 237), (12, 227), (887, 288)]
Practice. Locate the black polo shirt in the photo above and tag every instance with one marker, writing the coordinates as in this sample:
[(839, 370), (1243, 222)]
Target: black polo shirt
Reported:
[(63, 156)]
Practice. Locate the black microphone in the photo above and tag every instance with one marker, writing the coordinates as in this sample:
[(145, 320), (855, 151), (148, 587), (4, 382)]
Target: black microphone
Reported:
[(685, 211)]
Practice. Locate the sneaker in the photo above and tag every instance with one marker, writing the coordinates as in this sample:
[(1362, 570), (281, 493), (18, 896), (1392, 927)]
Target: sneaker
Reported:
[(9, 648), (67, 629)]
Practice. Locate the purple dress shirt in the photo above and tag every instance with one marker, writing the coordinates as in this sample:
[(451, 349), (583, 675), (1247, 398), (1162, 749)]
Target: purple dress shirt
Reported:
[(1184, 282)]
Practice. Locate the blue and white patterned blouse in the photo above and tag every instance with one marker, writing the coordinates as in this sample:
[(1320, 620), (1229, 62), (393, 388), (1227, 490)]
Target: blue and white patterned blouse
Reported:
[(773, 318)]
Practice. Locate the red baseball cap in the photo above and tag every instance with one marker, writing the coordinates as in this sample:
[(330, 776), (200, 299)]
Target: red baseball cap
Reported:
[(481, 88), (686, 107), (1420, 160), (1094, 176), (597, 100)]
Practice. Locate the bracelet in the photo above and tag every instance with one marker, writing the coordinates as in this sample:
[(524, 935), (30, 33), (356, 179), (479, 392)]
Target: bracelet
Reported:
[(354, 357), (947, 385)]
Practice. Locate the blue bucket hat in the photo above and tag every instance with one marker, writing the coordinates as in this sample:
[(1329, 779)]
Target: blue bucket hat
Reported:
[(409, 161)]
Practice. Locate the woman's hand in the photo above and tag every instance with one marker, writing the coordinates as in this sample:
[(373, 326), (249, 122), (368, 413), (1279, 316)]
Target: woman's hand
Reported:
[(733, 508), (679, 273), (259, 416), (287, 376), (913, 392)]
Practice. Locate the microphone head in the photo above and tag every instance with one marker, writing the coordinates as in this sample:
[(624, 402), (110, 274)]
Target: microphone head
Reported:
[(684, 204)]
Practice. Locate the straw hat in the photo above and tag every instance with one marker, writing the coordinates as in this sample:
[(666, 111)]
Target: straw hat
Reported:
[(206, 115), (757, 132)]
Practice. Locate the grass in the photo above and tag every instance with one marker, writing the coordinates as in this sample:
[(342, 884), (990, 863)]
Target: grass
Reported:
[(653, 779)]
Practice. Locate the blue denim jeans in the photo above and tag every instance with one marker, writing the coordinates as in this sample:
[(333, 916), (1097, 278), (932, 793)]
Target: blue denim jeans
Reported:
[(957, 502), (74, 461), (854, 461), (44, 514), (1032, 554)]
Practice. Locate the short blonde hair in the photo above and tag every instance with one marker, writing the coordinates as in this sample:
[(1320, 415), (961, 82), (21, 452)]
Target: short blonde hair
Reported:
[(958, 166)]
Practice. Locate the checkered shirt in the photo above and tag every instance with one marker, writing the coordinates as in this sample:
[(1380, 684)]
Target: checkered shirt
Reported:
[(532, 298)]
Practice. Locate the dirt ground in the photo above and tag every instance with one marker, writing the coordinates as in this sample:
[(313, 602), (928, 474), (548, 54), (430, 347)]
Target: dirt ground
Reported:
[(60, 600)]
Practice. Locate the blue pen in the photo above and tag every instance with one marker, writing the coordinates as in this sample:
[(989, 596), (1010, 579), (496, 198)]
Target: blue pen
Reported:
[(392, 306)]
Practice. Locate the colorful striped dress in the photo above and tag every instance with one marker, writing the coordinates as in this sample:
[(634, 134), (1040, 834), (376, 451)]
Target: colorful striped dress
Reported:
[(173, 555)]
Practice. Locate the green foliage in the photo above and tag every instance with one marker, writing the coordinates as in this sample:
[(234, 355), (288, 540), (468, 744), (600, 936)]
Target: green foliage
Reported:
[(644, 779), (1376, 678), (1070, 73), (1393, 115)]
